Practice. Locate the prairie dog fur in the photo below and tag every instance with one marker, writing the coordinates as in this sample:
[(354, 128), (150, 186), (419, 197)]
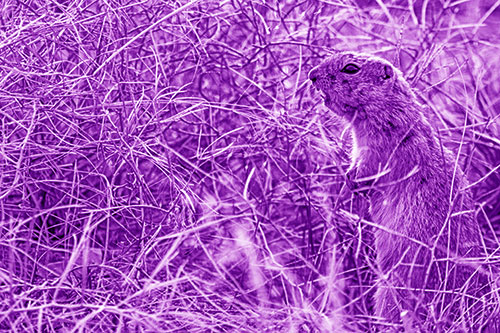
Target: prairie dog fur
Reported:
[(428, 245)]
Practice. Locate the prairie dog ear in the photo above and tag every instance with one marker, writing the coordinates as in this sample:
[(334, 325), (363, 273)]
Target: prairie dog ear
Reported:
[(387, 72)]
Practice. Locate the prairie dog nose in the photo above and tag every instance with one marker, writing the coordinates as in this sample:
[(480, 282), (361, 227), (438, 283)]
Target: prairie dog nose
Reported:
[(313, 74)]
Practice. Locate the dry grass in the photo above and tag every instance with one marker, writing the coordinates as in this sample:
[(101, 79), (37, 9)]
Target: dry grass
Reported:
[(165, 166)]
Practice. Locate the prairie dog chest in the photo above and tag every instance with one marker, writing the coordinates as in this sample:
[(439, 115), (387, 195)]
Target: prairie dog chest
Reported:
[(358, 149)]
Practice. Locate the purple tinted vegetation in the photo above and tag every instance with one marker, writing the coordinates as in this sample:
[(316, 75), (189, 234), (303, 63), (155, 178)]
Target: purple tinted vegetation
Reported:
[(166, 166)]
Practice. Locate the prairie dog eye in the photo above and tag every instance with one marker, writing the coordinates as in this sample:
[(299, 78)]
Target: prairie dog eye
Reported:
[(350, 69)]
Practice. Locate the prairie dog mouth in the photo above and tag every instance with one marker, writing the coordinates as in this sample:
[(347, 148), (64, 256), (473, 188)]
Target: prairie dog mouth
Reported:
[(324, 95), (318, 89), (326, 98)]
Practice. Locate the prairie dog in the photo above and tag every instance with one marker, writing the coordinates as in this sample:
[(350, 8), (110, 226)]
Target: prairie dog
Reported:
[(428, 242)]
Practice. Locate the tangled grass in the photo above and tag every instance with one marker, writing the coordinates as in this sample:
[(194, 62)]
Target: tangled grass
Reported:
[(166, 168)]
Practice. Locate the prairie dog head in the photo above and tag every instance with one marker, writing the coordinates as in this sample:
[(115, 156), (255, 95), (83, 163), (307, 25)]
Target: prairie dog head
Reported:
[(354, 82)]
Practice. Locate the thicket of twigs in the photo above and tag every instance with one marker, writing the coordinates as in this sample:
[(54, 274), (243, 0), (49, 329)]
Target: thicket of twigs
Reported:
[(165, 166)]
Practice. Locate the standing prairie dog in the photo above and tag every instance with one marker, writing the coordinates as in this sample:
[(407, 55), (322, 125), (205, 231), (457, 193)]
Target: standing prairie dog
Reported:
[(428, 242)]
